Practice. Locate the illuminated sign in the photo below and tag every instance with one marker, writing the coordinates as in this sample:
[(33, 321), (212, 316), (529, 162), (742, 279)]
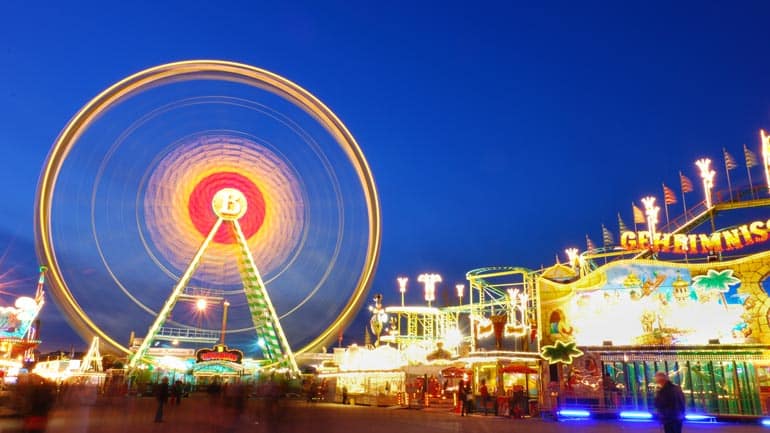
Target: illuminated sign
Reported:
[(220, 352), (725, 240)]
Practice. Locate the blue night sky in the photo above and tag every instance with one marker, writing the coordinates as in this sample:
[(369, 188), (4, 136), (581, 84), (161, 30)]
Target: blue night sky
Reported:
[(498, 134)]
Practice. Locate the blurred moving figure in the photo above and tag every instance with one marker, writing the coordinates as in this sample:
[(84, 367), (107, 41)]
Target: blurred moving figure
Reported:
[(161, 394), (36, 398)]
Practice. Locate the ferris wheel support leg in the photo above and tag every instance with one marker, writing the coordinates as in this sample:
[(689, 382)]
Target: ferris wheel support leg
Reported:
[(263, 314), (172, 299)]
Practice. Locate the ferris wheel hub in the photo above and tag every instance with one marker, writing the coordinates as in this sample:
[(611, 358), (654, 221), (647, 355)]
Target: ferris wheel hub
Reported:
[(229, 204)]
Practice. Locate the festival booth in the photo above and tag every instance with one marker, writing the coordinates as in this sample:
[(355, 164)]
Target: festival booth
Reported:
[(703, 324), (368, 376), (512, 380)]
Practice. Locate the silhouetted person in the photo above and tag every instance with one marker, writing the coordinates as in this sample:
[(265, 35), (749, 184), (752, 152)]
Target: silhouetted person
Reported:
[(177, 391), (38, 396), (161, 394), (484, 391), (670, 404), (463, 393)]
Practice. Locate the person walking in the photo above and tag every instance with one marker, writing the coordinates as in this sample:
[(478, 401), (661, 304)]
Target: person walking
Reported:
[(484, 391), (669, 403), (161, 394), (178, 391), (462, 397)]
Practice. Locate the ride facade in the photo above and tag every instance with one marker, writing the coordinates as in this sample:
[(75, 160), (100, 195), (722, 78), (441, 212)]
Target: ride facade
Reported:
[(19, 331), (697, 311)]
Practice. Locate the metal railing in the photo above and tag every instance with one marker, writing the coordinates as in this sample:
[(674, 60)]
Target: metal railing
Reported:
[(191, 335)]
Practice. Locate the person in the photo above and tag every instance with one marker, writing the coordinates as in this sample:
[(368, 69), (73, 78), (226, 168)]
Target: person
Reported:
[(670, 404), (461, 395), (178, 390), (610, 387), (161, 394), (484, 394), (344, 395), (38, 399)]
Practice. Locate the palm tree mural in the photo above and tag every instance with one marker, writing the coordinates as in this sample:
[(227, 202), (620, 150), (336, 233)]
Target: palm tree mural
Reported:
[(716, 281), (561, 352)]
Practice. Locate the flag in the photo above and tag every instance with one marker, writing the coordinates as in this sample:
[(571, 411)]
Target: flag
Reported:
[(729, 160), (638, 215), (621, 225), (589, 244), (668, 195), (607, 239), (751, 158), (686, 183)]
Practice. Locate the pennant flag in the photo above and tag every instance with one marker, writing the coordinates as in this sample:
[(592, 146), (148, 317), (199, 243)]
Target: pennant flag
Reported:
[(686, 183), (751, 158), (607, 238), (590, 244), (622, 227), (729, 160), (668, 195), (638, 215)]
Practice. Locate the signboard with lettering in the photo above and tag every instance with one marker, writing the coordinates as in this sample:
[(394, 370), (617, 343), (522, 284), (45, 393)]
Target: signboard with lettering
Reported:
[(724, 240), (220, 352)]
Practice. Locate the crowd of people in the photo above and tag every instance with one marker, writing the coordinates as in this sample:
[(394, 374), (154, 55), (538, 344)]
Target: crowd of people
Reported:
[(32, 399)]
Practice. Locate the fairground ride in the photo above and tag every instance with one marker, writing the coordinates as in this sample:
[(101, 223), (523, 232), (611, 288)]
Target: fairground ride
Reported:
[(18, 332), (213, 203)]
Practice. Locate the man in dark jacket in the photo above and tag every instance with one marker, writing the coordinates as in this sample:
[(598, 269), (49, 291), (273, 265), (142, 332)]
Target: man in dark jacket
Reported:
[(670, 404), (161, 393)]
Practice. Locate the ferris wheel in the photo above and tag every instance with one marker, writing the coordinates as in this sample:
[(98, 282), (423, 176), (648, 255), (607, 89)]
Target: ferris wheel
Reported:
[(200, 201)]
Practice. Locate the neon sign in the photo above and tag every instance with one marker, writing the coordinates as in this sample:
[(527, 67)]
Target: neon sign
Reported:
[(724, 240), (220, 352)]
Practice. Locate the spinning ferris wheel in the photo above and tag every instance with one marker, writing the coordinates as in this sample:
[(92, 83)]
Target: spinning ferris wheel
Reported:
[(199, 194)]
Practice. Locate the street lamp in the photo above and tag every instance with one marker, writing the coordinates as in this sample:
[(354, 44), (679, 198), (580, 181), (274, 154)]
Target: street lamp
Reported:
[(708, 178), (460, 292), (429, 280), (652, 215), (225, 306), (572, 256), (766, 155), (402, 287), (201, 304)]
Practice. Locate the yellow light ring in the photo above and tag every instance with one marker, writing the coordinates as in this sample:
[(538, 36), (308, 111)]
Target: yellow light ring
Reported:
[(237, 72)]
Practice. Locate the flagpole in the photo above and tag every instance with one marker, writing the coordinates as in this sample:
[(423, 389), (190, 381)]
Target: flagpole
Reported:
[(727, 170), (665, 203), (684, 203), (748, 170)]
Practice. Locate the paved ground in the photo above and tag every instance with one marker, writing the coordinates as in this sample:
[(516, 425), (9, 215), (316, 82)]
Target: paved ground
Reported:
[(198, 414)]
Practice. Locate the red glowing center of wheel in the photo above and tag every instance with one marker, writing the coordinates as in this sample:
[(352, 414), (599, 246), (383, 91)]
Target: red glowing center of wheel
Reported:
[(203, 216)]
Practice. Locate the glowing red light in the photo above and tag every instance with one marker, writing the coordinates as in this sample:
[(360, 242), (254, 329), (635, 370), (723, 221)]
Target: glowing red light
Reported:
[(203, 217)]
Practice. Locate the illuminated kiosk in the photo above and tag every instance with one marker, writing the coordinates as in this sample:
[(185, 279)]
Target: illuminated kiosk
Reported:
[(229, 205), (676, 299), (18, 331)]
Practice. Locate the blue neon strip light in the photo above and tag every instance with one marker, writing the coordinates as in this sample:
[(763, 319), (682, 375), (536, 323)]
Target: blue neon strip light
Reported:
[(574, 413), (635, 414)]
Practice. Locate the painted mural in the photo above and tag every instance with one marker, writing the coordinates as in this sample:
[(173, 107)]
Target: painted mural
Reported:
[(659, 303)]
